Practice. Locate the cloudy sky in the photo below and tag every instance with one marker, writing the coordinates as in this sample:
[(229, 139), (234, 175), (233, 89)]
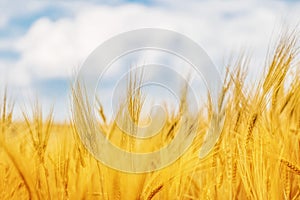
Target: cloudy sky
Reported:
[(42, 42)]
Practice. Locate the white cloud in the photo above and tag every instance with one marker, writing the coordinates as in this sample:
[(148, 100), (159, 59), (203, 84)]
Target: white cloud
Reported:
[(54, 48), (13, 8), (3, 20)]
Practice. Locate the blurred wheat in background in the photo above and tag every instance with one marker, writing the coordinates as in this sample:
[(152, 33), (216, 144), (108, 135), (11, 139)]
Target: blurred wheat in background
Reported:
[(256, 157)]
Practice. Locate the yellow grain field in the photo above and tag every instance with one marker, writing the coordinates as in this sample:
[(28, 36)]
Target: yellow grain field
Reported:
[(256, 157)]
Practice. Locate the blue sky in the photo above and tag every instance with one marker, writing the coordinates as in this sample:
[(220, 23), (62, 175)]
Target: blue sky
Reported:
[(42, 43)]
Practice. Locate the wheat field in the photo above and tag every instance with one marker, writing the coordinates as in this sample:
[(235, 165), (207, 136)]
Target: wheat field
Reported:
[(256, 157)]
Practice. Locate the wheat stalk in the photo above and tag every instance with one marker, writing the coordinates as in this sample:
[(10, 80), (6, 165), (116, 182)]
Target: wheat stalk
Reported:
[(154, 192), (294, 168)]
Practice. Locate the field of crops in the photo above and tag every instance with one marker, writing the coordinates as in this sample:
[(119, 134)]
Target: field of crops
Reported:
[(256, 157)]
